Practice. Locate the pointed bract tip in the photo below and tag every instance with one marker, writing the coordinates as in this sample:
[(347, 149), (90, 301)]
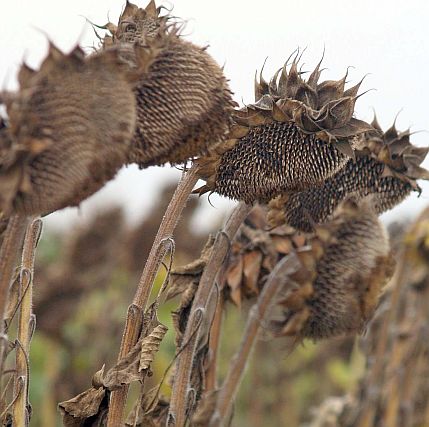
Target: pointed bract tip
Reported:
[(151, 9)]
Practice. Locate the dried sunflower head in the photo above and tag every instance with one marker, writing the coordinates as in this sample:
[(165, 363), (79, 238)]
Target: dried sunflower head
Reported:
[(353, 265), (386, 165), (69, 130), (297, 133), (184, 103)]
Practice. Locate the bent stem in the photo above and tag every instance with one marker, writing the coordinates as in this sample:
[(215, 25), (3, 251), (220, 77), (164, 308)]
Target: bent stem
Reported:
[(9, 253), (198, 316), (26, 322), (141, 297), (214, 340), (277, 280)]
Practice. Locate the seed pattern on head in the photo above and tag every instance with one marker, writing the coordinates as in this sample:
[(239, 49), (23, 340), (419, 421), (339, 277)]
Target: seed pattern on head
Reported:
[(297, 134), (386, 166), (348, 277), (69, 130), (275, 158), (183, 103)]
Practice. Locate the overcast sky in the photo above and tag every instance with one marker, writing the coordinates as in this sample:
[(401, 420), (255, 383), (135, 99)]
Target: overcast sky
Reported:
[(386, 39)]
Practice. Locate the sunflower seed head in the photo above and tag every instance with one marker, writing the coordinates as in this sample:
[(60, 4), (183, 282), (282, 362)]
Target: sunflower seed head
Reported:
[(66, 135), (184, 103), (299, 133), (386, 166)]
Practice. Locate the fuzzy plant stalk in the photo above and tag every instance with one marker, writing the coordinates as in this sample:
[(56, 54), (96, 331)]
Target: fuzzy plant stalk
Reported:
[(141, 297), (26, 322), (255, 320), (214, 341), (9, 254), (198, 316)]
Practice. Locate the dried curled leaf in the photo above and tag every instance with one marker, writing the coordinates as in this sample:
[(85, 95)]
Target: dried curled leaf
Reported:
[(183, 277), (150, 345), (149, 411), (134, 365), (87, 408)]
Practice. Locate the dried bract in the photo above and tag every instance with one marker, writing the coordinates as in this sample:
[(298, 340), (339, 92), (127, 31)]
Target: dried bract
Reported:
[(386, 166), (296, 135)]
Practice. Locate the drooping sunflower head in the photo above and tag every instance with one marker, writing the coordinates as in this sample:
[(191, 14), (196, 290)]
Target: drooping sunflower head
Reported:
[(69, 129), (297, 134), (386, 165), (353, 266)]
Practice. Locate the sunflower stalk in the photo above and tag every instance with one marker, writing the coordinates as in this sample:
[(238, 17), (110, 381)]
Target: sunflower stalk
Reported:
[(256, 318), (214, 340), (26, 322), (141, 297), (9, 253), (198, 316)]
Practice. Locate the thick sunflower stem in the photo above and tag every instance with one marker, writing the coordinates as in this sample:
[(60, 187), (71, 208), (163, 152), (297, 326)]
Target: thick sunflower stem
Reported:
[(9, 255), (198, 316), (141, 297), (26, 321), (214, 340), (277, 280)]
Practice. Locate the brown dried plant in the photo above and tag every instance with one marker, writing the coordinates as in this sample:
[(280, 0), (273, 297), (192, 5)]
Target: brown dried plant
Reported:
[(18, 411), (150, 97)]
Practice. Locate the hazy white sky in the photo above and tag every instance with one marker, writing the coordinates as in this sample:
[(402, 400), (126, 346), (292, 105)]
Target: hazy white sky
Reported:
[(389, 40)]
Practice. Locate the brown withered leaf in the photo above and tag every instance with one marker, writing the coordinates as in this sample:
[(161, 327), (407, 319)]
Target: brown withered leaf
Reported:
[(251, 269), (126, 370), (86, 409), (180, 316), (150, 346), (145, 404), (133, 366), (234, 276), (282, 244), (150, 411)]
